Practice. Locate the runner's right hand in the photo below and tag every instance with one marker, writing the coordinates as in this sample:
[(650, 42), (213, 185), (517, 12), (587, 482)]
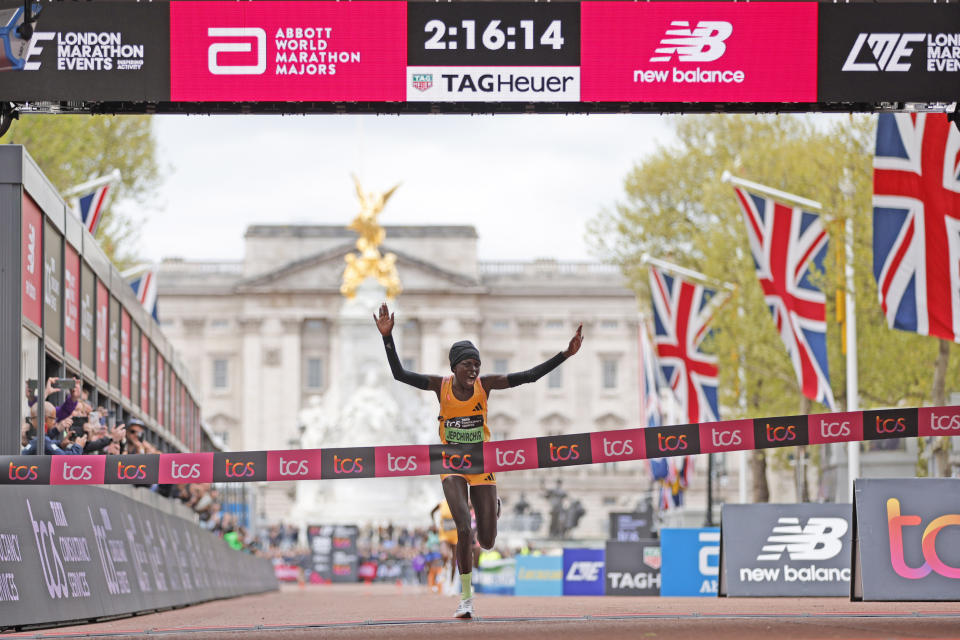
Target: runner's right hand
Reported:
[(384, 320)]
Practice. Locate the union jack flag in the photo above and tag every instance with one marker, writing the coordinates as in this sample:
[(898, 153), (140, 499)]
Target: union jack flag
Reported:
[(145, 286), (916, 223), (681, 314), (90, 207), (784, 241)]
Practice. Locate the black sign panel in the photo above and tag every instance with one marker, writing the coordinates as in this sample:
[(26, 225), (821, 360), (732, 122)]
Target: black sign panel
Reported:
[(134, 364), (88, 287), (76, 553), (343, 555), (633, 568), (677, 440), (240, 466), (787, 431), (493, 33), (24, 470), (320, 541), (631, 527), (52, 283), (454, 458), (889, 423), (564, 451), (785, 550), (907, 539), (886, 52), (132, 469), (113, 342), (91, 51), (348, 462)]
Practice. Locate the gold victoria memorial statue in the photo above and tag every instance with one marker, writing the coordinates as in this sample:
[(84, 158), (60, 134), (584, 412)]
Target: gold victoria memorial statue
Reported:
[(370, 263)]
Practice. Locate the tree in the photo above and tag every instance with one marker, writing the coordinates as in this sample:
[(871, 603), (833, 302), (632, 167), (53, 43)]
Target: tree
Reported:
[(676, 208), (73, 148)]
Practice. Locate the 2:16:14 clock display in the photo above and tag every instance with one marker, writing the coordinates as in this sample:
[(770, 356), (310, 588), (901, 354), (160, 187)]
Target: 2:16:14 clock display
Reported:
[(493, 33)]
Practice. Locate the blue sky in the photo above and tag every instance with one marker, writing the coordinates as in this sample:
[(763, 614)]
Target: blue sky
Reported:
[(528, 183)]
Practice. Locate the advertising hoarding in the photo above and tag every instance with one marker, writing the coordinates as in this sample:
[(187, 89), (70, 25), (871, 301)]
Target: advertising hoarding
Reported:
[(785, 550), (539, 576), (287, 51), (633, 568), (699, 51), (888, 52), (907, 539), (691, 561), (71, 301), (88, 293), (52, 283), (31, 256), (583, 572), (90, 51)]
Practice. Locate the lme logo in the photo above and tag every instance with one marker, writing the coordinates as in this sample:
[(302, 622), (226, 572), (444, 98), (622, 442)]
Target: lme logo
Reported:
[(933, 562)]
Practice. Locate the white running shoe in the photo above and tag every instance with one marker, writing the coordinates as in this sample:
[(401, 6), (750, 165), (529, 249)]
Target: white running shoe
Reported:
[(464, 609)]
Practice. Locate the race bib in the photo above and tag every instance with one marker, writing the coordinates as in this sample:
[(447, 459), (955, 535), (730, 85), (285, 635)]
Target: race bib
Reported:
[(464, 430)]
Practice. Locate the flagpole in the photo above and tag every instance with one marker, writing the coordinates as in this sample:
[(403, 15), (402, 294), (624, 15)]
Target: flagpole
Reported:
[(683, 271), (850, 325), (770, 191), (93, 183)]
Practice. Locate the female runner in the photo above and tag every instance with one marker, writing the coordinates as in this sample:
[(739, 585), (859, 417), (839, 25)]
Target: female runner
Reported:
[(463, 419)]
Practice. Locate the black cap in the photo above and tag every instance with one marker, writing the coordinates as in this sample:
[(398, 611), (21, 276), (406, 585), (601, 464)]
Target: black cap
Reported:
[(461, 351)]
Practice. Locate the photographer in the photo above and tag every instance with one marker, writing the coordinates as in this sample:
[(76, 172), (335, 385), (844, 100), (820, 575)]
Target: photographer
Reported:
[(134, 438), (100, 436)]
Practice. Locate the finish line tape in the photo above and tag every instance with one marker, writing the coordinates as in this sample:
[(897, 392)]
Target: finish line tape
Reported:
[(504, 455)]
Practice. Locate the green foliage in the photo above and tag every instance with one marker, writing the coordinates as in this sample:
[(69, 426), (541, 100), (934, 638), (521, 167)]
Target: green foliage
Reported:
[(676, 208), (71, 149)]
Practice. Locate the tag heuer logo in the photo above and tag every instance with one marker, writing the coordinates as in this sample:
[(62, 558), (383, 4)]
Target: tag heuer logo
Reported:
[(422, 81), (651, 557)]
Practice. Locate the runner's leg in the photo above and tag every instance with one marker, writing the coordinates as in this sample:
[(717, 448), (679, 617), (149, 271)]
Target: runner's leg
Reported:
[(484, 500), (455, 491)]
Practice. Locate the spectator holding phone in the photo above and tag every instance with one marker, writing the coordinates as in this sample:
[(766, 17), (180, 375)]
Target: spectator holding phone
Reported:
[(55, 385), (134, 441), (54, 446)]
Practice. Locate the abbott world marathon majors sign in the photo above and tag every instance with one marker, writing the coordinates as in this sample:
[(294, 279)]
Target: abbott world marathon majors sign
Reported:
[(79, 553), (907, 539), (785, 550)]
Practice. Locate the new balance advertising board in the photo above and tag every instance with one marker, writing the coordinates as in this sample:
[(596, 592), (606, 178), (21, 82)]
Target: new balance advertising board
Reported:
[(785, 550), (88, 51), (889, 52), (691, 561), (699, 51), (907, 539), (76, 553)]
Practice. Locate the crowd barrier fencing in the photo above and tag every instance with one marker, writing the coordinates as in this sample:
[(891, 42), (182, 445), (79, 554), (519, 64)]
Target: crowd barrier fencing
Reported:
[(505, 455), (84, 553)]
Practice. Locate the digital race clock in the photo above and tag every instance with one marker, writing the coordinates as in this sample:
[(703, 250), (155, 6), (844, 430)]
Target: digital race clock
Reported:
[(493, 33)]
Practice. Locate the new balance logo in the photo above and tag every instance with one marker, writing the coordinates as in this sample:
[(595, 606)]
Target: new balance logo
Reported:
[(479, 407), (820, 539), (703, 43), (891, 51)]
